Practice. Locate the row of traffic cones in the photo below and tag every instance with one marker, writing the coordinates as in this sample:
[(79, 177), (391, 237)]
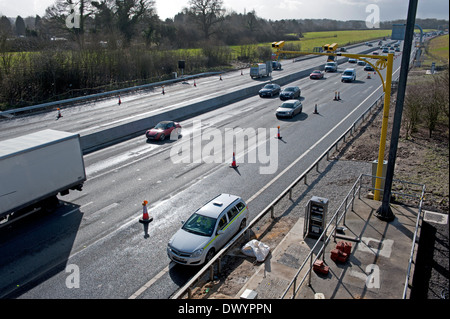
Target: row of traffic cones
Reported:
[(337, 96)]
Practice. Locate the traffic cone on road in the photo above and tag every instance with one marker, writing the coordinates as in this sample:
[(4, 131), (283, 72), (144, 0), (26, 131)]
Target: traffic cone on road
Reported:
[(195, 84), (278, 134), (233, 163), (145, 217), (120, 101), (315, 109), (59, 115), (368, 75)]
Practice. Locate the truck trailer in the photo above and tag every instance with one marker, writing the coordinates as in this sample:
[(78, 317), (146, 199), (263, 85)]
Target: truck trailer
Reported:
[(35, 168), (258, 70)]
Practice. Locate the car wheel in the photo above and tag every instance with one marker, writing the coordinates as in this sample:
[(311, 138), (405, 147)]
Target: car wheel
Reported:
[(243, 224), (162, 137), (209, 255)]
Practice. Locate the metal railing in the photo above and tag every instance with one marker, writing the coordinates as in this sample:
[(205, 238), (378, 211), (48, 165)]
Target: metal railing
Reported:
[(209, 267), (339, 216)]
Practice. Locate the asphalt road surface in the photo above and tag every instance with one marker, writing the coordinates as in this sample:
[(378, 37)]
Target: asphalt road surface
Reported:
[(94, 247)]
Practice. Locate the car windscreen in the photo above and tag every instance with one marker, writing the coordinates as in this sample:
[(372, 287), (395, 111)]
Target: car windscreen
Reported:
[(161, 126), (200, 225), (289, 89), (288, 105), (348, 73)]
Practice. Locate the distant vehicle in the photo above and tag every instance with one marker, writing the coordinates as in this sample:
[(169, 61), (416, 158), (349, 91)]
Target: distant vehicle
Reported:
[(385, 50), (163, 130), (375, 52), (276, 65), (352, 60), (316, 74), (362, 62), (289, 109), (35, 168), (397, 49), (207, 230), (349, 75), (370, 44), (290, 92), (331, 67), (258, 70), (270, 90), (368, 67)]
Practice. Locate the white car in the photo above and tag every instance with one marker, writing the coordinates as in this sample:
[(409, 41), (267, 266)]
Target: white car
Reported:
[(207, 230), (349, 75)]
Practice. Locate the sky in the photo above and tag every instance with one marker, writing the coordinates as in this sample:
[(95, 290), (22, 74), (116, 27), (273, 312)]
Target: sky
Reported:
[(275, 10)]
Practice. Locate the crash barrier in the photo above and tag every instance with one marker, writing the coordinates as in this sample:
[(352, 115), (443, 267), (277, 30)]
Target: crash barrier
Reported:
[(217, 259), (93, 97), (106, 137), (408, 189)]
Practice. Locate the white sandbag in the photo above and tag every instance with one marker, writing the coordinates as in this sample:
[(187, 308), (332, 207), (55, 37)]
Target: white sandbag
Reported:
[(256, 249)]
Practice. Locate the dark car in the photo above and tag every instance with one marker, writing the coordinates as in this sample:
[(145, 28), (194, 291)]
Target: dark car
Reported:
[(291, 92), (316, 74), (368, 67), (163, 130), (270, 90), (289, 109)]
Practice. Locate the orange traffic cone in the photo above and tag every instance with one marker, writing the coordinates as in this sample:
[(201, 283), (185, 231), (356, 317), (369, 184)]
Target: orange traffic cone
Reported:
[(59, 115), (278, 134), (233, 163), (368, 75), (315, 110), (145, 217)]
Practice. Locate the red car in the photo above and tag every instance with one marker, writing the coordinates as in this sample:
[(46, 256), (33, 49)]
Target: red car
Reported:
[(163, 130), (316, 74)]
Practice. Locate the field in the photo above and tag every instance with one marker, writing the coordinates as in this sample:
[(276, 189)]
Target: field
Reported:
[(437, 50), (342, 38)]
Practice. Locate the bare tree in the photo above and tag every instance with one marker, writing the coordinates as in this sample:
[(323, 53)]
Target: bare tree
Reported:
[(207, 14)]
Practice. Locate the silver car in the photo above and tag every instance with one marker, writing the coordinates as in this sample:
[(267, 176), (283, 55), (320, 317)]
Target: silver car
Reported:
[(289, 109), (207, 230)]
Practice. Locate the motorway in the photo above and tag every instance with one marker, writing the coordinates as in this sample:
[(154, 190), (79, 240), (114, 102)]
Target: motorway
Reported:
[(97, 232)]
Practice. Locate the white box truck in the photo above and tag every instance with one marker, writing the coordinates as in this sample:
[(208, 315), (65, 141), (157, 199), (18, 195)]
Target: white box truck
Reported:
[(258, 70), (34, 168)]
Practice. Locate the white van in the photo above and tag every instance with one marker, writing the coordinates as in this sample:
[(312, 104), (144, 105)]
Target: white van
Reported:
[(349, 75), (207, 230)]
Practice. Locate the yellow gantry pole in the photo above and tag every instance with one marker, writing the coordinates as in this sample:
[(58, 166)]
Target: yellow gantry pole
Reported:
[(387, 102)]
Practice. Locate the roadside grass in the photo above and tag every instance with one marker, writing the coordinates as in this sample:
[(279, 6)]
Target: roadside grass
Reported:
[(437, 50)]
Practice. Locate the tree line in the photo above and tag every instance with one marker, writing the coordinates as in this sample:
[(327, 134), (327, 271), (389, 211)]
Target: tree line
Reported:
[(81, 46)]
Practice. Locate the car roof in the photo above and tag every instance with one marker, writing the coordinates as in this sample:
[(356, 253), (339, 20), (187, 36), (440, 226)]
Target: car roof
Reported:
[(217, 205)]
